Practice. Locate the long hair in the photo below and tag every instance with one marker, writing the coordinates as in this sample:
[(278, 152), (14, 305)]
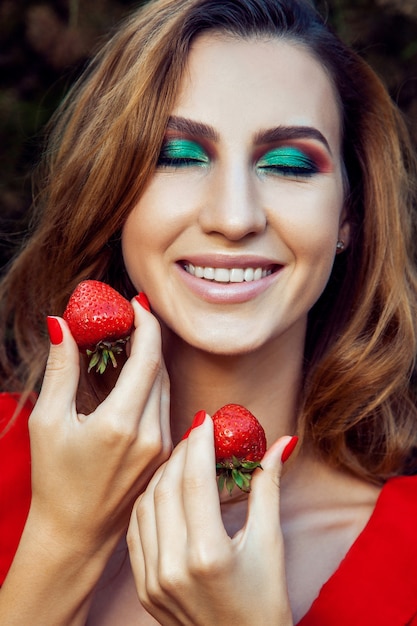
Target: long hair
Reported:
[(356, 406)]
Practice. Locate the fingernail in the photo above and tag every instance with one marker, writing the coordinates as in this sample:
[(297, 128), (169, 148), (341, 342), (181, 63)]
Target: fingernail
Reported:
[(143, 301), (54, 330), (289, 449), (198, 419)]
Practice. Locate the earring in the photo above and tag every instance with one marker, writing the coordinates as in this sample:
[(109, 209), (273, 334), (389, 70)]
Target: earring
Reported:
[(340, 245)]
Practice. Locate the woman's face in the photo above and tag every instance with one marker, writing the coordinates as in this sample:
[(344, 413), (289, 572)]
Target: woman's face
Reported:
[(234, 239)]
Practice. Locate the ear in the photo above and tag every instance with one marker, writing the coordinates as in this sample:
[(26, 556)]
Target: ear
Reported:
[(344, 229)]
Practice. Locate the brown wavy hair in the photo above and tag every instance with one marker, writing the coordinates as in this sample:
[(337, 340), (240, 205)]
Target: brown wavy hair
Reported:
[(357, 404)]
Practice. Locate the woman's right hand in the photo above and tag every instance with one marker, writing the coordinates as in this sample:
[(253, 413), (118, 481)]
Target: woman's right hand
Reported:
[(87, 470)]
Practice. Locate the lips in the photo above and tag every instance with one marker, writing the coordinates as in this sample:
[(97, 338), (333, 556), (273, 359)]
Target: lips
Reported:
[(229, 275), (228, 279)]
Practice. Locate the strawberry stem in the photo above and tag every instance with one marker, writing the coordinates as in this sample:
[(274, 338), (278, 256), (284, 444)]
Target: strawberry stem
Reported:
[(233, 472), (104, 352)]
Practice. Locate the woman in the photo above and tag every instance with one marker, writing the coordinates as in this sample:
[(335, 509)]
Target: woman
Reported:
[(212, 142)]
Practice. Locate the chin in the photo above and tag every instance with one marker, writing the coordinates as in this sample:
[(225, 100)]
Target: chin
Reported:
[(224, 346), (222, 339)]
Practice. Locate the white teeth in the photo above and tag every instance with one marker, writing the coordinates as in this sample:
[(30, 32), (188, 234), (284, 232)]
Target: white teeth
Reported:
[(237, 275), (249, 274), (221, 275), (257, 273), (224, 275), (208, 273)]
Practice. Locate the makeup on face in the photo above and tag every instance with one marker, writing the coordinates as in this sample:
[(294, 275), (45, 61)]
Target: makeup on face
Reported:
[(233, 238), (295, 152), (178, 152)]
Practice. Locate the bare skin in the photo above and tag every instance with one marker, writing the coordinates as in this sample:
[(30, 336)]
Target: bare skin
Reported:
[(322, 514), (220, 344), (252, 353)]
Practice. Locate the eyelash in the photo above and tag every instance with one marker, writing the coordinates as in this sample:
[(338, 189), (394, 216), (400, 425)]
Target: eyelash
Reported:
[(177, 153), (285, 161), (288, 161)]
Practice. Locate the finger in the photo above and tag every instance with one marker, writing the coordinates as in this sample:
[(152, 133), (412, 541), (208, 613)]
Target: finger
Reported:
[(165, 410), (62, 372), (161, 529), (130, 394), (134, 544), (144, 570), (265, 490), (157, 431), (200, 492), (143, 542), (169, 514)]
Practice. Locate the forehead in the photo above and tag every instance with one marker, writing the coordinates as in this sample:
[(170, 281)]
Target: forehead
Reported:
[(259, 83)]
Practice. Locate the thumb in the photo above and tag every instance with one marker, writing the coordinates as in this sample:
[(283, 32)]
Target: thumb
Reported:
[(62, 371), (265, 484)]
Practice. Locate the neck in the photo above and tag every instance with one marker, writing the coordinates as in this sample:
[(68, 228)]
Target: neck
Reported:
[(266, 381)]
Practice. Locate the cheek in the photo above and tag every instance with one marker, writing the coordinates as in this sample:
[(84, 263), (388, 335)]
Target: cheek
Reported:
[(310, 227), (130, 257), (151, 227), (136, 240), (164, 208)]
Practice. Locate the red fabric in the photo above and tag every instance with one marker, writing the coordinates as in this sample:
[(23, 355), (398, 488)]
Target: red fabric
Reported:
[(15, 485), (376, 583)]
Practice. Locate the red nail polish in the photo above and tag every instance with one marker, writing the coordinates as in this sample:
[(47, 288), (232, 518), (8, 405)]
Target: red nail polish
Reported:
[(199, 418), (143, 301), (54, 330), (185, 435), (289, 449)]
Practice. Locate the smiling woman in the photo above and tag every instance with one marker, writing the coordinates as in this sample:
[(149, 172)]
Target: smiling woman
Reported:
[(249, 173), (257, 193)]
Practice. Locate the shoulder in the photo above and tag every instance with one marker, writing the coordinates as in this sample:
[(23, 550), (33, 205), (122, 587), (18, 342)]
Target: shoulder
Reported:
[(400, 486), (11, 406), (397, 504), (14, 416), (376, 582), (14, 432), (15, 473), (387, 547), (385, 555)]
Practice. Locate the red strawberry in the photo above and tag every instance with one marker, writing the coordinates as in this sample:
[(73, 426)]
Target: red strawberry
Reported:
[(100, 320), (240, 444)]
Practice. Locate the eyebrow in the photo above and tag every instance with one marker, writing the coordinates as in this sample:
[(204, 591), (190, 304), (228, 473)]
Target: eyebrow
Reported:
[(281, 133), (271, 135), (191, 127)]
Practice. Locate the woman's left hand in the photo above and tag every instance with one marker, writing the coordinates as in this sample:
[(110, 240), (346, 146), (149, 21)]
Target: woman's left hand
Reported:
[(188, 571)]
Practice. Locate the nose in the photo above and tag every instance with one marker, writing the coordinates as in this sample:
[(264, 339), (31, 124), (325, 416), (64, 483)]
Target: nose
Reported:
[(232, 206)]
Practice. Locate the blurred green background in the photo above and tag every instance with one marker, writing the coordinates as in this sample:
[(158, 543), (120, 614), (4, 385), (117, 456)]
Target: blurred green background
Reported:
[(44, 45)]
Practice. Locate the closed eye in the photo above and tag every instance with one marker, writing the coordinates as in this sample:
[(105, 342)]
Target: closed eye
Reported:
[(176, 153), (287, 161)]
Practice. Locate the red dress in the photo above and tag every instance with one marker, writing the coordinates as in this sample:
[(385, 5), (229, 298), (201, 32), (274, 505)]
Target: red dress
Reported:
[(375, 584), (15, 487)]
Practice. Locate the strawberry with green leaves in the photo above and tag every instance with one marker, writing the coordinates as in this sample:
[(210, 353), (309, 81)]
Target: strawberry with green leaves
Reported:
[(240, 444), (100, 320)]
